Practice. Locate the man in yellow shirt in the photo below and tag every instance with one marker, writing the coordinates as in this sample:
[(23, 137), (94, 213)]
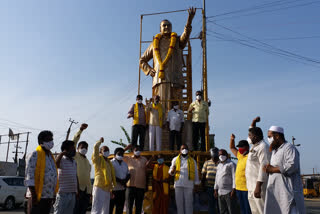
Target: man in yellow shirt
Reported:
[(83, 173), (200, 112), (241, 185), (104, 179)]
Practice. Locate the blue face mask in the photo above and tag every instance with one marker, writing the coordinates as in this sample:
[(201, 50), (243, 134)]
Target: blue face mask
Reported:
[(160, 161)]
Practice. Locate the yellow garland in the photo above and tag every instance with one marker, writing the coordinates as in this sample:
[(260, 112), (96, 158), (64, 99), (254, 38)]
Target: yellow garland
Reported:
[(156, 42)]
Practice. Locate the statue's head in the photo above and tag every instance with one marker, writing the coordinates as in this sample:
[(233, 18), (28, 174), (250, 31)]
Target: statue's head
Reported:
[(165, 27)]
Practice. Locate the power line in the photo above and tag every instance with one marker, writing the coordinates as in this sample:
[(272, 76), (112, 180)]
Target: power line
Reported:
[(272, 47), (261, 11), (281, 38)]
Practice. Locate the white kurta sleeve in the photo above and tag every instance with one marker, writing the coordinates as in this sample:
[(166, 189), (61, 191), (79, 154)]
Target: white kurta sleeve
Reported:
[(291, 160)]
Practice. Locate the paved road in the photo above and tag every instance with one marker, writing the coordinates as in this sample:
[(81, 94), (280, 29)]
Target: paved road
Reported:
[(312, 205)]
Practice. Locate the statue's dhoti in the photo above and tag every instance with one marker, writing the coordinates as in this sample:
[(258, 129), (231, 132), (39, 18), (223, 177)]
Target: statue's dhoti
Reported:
[(168, 93)]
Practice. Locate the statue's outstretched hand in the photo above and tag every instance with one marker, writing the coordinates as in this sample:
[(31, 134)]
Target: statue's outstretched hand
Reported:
[(192, 12)]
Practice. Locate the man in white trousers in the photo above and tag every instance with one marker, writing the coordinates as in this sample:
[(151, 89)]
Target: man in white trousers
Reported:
[(155, 124), (185, 171)]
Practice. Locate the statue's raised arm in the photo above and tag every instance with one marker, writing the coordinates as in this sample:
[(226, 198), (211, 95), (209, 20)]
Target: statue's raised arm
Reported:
[(187, 30)]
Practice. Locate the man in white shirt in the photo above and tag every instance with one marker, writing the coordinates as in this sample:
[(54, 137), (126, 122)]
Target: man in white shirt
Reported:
[(257, 179), (155, 123), (225, 186), (185, 171), (122, 177), (175, 122)]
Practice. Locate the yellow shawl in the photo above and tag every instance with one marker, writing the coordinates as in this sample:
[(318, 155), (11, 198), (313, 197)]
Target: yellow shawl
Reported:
[(40, 170), (159, 108), (191, 168), (136, 114), (108, 180)]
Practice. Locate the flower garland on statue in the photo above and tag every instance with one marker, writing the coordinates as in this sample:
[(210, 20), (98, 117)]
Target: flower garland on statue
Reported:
[(156, 42)]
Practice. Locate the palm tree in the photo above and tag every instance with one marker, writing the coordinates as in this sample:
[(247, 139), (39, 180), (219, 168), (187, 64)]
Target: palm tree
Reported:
[(120, 143)]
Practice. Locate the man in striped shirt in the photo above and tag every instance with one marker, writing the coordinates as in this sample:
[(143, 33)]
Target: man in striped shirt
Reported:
[(209, 171), (67, 176)]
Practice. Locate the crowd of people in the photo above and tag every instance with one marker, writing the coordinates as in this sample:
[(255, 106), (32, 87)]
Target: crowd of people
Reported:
[(266, 178), (151, 117)]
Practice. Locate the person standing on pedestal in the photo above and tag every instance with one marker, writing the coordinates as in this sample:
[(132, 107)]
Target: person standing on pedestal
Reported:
[(155, 124), (138, 113), (175, 122), (200, 112)]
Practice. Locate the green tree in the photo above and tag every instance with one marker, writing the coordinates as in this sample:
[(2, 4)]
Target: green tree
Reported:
[(120, 142)]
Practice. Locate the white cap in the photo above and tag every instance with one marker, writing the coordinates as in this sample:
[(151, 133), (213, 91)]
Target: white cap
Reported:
[(276, 129)]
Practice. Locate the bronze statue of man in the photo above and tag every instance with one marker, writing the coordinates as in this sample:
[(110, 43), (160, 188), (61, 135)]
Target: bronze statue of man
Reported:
[(167, 71)]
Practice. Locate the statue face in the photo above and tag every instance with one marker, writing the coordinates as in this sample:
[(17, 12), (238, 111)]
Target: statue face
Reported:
[(165, 27)]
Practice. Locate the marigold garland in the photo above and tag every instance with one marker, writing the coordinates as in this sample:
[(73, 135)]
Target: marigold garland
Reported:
[(156, 49)]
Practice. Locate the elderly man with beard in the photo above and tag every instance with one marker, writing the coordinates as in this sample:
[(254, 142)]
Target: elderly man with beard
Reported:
[(284, 190), (258, 157)]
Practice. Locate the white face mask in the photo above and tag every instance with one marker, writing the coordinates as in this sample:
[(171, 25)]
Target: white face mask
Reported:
[(137, 153), (270, 139), (249, 140), (184, 151), (48, 145), (222, 158), (139, 101), (83, 151), (176, 107), (119, 158), (198, 97), (106, 154)]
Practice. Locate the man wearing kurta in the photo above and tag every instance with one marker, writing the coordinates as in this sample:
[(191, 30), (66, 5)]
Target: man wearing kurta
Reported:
[(168, 85), (185, 171), (104, 179), (160, 186), (83, 173), (241, 185), (284, 190), (257, 179), (155, 124)]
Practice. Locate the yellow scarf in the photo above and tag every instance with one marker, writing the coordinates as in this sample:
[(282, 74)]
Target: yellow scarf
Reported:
[(159, 108), (165, 175), (156, 50), (108, 179), (40, 170), (136, 114), (191, 167)]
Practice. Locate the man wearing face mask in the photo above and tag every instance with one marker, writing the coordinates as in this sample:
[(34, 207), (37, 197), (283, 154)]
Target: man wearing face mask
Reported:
[(155, 123), (104, 179), (137, 182), (67, 176), (209, 171), (185, 171), (160, 185), (83, 173), (138, 112), (175, 122), (258, 156), (41, 176), (122, 177), (241, 185), (284, 190), (200, 112), (224, 187)]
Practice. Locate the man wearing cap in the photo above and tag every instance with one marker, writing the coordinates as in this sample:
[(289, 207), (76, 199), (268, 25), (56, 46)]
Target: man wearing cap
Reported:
[(209, 171), (257, 179), (185, 171), (284, 190), (200, 112), (241, 185)]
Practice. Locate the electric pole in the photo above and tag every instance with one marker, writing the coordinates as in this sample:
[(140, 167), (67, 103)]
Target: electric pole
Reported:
[(69, 130)]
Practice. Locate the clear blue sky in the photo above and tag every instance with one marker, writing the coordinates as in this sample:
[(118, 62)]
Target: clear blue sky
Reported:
[(79, 59)]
